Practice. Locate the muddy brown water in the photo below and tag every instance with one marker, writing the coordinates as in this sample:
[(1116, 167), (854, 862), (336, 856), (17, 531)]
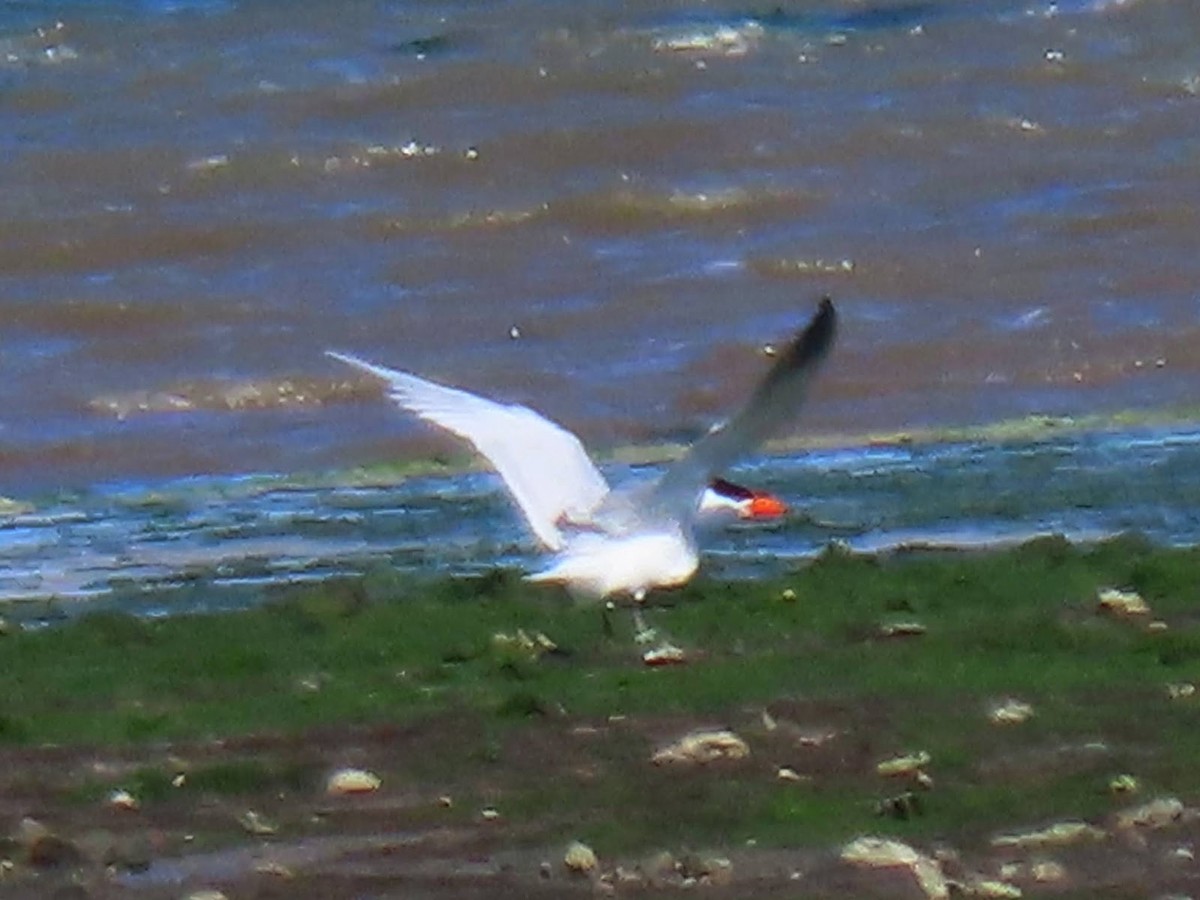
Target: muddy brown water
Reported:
[(199, 196)]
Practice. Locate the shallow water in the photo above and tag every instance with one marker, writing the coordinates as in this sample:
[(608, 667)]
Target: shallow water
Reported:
[(221, 543)]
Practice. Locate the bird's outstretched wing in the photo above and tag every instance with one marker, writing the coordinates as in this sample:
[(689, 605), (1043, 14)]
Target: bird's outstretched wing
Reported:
[(543, 465), (771, 407)]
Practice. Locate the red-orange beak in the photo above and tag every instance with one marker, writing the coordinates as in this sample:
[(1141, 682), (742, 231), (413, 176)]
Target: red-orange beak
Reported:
[(765, 506)]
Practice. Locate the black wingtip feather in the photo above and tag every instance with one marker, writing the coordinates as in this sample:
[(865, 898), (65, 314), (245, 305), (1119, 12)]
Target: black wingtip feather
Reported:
[(810, 345), (816, 339)]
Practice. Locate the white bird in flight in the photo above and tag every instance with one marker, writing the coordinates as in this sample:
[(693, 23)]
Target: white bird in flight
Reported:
[(611, 542)]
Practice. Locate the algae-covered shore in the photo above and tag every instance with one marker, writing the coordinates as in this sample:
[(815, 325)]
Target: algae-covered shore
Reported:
[(998, 714)]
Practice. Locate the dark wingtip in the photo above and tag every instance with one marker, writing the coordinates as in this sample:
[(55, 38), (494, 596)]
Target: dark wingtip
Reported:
[(816, 339)]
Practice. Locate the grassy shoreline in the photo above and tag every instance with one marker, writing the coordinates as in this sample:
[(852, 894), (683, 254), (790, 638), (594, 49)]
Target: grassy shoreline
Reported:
[(443, 688)]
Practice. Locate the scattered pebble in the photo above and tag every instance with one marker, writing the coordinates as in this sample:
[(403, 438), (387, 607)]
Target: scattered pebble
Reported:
[(1122, 603), (664, 655), (1048, 871), (1123, 784), (787, 773), (1059, 834), (580, 858), (205, 894), (901, 629), (993, 889), (881, 853), (534, 644), (122, 799), (909, 764), (489, 814), (255, 824), (702, 747), (1156, 814), (1009, 712), (1180, 690), (352, 781)]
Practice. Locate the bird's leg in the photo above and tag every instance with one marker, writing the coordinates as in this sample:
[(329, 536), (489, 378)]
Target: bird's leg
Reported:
[(642, 633)]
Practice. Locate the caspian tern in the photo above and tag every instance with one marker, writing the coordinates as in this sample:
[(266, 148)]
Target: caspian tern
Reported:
[(611, 542)]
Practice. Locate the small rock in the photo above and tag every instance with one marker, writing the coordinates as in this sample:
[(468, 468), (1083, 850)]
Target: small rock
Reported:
[(254, 823), (1181, 690), (787, 773), (788, 595), (489, 814), (910, 764), (1125, 604), (352, 781), (122, 799), (901, 629), (993, 889), (881, 853), (1009, 712), (701, 747), (1123, 784), (580, 858), (1058, 835), (445, 801), (205, 894), (1156, 814), (1047, 871), (664, 655)]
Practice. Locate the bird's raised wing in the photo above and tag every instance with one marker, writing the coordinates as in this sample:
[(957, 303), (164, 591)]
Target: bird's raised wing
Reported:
[(543, 465), (771, 407)]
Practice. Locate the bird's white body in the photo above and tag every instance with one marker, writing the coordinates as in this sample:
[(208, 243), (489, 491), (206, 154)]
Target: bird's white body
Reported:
[(608, 542), (599, 565)]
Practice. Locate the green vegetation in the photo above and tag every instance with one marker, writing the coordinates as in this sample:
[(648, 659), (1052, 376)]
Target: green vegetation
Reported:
[(461, 658)]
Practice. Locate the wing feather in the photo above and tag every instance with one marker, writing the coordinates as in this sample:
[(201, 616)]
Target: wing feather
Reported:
[(772, 406), (544, 466)]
